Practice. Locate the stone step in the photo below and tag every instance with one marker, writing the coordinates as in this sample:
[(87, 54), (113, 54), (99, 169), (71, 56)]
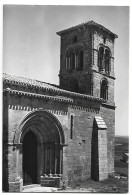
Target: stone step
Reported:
[(31, 186)]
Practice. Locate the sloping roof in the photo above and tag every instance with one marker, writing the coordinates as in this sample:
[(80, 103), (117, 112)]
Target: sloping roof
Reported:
[(56, 98), (127, 154), (100, 122), (89, 23), (18, 80)]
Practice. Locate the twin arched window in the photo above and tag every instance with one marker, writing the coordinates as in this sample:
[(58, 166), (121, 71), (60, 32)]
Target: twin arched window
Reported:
[(104, 89), (104, 57), (74, 60)]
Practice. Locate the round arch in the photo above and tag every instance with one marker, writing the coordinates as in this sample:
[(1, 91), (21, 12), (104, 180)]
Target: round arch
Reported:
[(104, 79), (41, 137), (35, 118), (75, 47)]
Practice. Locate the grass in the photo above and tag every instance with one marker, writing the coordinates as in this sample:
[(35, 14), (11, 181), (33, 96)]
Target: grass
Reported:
[(121, 168), (109, 185)]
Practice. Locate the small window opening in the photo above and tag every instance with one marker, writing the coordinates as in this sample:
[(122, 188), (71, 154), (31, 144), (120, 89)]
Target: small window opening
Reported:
[(75, 39), (71, 128), (104, 40), (107, 61), (104, 90), (101, 58)]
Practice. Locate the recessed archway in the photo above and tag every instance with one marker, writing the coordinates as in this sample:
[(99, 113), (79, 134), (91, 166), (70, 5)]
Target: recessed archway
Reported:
[(45, 131)]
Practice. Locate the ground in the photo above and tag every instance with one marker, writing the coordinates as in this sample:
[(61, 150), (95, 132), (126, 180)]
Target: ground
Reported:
[(116, 183), (121, 147)]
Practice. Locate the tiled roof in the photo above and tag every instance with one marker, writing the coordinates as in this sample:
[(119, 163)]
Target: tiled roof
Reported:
[(100, 122), (89, 23), (17, 80), (56, 98)]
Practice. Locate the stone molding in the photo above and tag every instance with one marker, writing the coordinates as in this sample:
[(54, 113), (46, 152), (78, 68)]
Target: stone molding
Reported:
[(54, 98), (44, 86), (84, 109)]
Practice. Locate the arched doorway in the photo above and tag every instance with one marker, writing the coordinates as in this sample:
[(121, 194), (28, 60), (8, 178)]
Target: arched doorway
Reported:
[(42, 139), (29, 150)]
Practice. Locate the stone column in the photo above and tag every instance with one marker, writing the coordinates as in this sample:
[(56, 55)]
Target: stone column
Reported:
[(15, 181), (45, 166), (60, 160), (50, 155), (55, 162), (42, 161)]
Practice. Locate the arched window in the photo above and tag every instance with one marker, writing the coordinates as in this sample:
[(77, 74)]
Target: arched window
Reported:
[(101, 58), (74, 56), (68, 61), (107, 61), (104, 59), (104, 90), (79, 60)]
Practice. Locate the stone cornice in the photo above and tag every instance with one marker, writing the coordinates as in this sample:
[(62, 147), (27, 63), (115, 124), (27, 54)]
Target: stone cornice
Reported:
[(16, 80), (84, 25), (55, 98), (108, 105), (104, 74), (29, 109), (82, 108)]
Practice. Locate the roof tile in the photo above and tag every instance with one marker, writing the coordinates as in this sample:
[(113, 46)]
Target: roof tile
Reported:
[(42, 85)]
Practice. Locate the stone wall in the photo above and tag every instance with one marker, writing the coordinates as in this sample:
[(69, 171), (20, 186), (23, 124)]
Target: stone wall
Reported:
[(83, 77), (97, 78), (108, 114), (78, 152), (98, 39)]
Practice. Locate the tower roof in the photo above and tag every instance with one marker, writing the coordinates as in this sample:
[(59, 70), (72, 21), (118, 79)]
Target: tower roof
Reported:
[(83, 25)]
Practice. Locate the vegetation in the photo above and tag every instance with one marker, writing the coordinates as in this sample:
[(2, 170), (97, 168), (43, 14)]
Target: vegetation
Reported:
[(121, 147)]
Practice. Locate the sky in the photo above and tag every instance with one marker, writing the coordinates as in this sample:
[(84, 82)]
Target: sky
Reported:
[(31, 47)]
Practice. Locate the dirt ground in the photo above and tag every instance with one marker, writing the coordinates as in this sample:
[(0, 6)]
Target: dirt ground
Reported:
[(110, 185)]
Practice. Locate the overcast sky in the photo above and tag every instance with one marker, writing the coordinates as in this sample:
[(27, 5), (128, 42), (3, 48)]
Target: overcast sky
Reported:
[(32, 48)]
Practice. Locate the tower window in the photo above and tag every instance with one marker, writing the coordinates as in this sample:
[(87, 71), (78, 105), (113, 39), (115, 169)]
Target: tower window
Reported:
[(104, 59), (73, 60), (104, 40), (81, 60), (75, 39), (101, 58), (107, 61), (104, 90), (71, 127)]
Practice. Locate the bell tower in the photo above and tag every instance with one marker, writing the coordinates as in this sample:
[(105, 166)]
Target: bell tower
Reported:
[(87, 60)]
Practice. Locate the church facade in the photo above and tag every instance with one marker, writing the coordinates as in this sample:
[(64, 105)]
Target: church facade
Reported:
[(54, 135)]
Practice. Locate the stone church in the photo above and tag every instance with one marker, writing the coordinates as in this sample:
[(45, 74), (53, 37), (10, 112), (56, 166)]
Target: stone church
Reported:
[(54, 135)]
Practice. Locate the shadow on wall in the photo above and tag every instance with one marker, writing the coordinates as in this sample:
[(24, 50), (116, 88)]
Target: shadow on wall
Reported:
[(5, 172)]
